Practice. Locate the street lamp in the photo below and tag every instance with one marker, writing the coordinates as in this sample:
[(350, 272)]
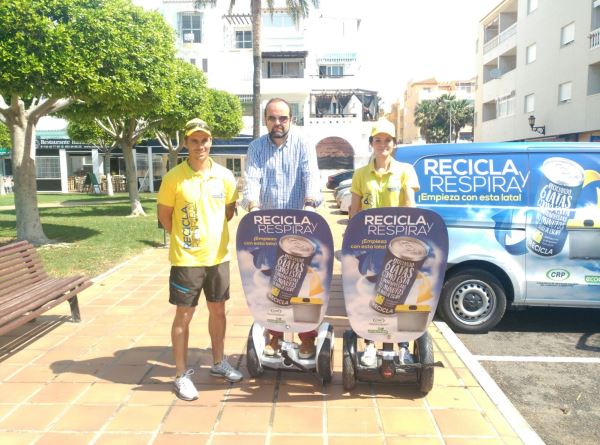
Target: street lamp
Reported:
[(540, 129)]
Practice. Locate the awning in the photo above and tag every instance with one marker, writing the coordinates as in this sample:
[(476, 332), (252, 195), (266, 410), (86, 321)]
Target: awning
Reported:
[(284, 54), (238, 19), (336, 58)]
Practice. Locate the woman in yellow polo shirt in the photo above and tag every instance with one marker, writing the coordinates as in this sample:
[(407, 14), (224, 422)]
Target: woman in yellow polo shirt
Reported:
[(383, 182)]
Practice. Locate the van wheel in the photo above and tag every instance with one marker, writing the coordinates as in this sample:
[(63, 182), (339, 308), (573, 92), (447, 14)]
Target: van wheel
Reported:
[(472, 301)]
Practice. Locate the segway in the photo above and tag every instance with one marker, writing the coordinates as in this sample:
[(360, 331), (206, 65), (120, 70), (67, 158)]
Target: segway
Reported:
[(285, 259), (393, 264)]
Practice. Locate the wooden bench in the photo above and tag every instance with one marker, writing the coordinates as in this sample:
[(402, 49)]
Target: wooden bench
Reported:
[(26, 290)]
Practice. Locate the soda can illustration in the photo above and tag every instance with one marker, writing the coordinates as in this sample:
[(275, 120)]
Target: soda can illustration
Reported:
[(557, 194), (403, 260), (294, 255)]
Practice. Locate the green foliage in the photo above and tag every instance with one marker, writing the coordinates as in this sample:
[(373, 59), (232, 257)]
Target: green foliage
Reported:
[(90, 133), (66, 199), (429, 120), (107, 51), (91, 238), (189, 98), (433, 118), (192, 98), (225, 118), (5, 141)]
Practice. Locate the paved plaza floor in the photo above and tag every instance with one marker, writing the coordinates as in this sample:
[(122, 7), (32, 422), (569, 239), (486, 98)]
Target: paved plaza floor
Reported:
[(108, 379)]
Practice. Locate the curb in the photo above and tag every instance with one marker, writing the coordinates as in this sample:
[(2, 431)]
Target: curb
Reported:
[(504, 405)]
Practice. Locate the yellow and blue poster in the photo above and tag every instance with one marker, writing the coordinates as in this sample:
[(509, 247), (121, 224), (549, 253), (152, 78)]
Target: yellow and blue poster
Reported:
[(393, 265), (285, 259)]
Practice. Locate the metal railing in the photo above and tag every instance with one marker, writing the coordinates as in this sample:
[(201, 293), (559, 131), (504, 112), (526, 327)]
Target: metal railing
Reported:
[(504, 35), (595, 38)]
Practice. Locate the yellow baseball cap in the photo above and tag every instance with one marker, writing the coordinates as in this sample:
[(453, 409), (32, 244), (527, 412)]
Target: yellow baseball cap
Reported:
[(195, 125), (384, 126)]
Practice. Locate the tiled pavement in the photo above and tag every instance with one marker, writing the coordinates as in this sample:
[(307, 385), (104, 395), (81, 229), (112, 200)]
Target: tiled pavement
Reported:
[(107, 380)]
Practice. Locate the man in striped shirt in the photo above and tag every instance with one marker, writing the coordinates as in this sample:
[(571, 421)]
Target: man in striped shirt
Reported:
[(282, 173)]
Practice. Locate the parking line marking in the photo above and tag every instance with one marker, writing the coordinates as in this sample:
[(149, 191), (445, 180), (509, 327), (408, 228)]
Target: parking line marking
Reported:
[(504, 405), (532, 359)]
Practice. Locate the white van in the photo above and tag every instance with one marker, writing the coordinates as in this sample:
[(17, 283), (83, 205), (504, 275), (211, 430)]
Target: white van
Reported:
[(524, 225)]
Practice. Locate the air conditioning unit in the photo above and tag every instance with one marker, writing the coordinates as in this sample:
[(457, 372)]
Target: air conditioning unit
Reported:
[(188, 37)]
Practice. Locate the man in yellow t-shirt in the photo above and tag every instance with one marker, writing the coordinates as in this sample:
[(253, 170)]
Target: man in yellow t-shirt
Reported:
[(195, 201)]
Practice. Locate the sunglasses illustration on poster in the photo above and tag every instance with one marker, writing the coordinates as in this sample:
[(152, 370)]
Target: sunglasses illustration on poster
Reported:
[(393, 264), (285, 259)]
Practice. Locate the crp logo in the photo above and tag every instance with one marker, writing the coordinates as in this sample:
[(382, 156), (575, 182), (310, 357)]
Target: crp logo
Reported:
[(558, 274)]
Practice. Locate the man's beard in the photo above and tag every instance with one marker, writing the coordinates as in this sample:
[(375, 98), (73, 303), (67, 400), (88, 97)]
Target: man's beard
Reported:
[(276, 134)]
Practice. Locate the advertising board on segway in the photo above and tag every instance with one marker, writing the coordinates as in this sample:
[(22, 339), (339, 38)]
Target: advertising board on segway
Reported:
[(393, 264), (286, 261)]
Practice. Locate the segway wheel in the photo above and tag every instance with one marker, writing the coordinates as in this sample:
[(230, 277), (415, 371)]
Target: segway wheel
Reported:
[(348, 371), (325, 361), (423, 352), (255, 368)]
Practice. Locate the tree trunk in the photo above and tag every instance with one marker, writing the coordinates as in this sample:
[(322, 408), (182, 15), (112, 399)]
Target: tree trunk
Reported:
[(173, 158), (29, 225), (255, 8), (131, 177), (109, 185)]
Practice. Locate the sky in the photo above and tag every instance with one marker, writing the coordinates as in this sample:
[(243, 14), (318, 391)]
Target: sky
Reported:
[(417, 39), (410, 39)]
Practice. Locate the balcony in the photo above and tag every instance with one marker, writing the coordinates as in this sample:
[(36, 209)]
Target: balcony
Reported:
[(595, 38), (332, 83), (500, 38), (499, 86), (276, 43), (285, 86)]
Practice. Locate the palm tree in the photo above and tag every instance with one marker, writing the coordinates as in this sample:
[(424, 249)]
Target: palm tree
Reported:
[(426, 118), (441, 120), (297, 9), (462, 115)]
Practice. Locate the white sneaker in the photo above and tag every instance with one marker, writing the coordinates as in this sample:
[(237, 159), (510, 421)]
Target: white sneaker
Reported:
[(369, 356), (225, 370), (184, 387), (406, 357)]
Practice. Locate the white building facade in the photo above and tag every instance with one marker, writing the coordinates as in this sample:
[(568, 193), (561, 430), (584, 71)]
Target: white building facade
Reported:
[(314, 65), (539, 58)]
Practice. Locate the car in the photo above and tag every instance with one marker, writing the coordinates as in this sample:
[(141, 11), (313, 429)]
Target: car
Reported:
[(334, 180), (345, 200), (343, 185), (339, 193)]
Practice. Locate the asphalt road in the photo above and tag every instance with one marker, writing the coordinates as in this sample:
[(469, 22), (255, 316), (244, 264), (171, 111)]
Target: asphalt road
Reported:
[(547, 362)]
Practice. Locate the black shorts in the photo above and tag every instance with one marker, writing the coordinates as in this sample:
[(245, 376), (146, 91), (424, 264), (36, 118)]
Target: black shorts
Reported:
[(186, 283)]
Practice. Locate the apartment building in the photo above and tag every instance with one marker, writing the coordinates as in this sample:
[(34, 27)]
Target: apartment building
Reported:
[(539, 71), (428, 89), (313, 64)]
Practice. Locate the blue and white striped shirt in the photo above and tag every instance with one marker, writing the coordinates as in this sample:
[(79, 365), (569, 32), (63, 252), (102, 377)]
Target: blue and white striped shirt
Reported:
[(281, 178)]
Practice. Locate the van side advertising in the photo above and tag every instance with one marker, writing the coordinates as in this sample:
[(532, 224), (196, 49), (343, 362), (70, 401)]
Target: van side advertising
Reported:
[(531, 214)]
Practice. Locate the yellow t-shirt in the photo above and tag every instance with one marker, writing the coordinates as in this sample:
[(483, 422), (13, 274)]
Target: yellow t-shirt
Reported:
[(389, 190), (200, 235)]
